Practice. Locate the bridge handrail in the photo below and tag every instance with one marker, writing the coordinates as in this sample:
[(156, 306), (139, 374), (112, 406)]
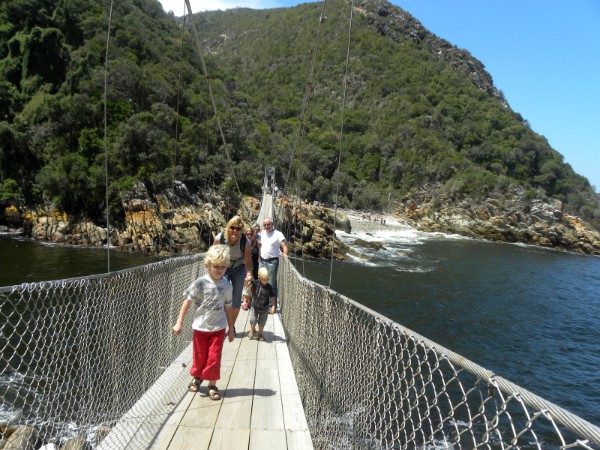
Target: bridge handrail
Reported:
[(77, 354), (369, 382)]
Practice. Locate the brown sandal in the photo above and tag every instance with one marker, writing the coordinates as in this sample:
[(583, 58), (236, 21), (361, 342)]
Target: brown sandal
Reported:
[(213, 393), (194, 385)]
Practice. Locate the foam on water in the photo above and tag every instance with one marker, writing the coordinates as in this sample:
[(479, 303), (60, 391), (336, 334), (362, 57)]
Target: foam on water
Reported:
[(400, 246)]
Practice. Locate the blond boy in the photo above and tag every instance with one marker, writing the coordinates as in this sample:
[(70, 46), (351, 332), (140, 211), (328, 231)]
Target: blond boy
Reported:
[(211, 295)]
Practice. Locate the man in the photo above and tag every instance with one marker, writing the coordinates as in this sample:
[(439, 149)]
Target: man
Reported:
[(271, 243)]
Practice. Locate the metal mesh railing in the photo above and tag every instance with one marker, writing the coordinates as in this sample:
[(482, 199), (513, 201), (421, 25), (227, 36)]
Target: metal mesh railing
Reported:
[(369, 383), (79, 353), (85, 356)]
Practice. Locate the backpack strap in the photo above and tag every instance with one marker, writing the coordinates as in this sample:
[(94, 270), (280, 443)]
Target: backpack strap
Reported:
[(242, 241)]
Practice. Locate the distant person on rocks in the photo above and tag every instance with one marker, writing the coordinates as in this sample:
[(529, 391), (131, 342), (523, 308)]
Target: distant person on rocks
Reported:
[(211, 297), (263, 303), (272, 244), (240, 260)]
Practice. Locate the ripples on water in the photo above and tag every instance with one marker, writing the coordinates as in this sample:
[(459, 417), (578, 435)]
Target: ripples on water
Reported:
[(530, 315)]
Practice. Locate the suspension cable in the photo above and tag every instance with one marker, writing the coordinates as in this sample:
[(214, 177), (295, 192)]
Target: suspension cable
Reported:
[(212, 98), (337, 183), (105, 141), (176, 131), (307, 93), (301, 131)]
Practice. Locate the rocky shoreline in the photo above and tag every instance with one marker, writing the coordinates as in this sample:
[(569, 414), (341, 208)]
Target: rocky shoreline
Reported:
[(505, 217), (177, 222)]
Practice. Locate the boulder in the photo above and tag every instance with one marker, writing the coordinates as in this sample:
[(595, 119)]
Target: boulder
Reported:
[(375, 245)]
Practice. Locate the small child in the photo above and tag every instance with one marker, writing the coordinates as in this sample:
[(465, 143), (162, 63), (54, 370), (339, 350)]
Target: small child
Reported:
[(263, 296), (211, 295)]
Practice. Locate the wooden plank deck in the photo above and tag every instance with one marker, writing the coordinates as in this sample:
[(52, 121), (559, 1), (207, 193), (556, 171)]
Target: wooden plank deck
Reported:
[(261, 406)]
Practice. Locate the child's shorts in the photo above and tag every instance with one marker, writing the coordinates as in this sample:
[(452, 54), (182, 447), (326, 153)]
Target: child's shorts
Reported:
[(259, 317), (247, 291)]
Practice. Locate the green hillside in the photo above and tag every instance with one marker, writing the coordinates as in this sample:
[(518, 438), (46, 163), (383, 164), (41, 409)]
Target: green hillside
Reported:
[(419, 113)]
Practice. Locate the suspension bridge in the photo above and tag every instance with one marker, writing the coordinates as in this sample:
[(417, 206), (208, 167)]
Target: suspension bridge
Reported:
[(92, 361)]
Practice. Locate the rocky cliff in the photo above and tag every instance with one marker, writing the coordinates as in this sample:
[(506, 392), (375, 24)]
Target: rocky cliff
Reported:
[(507, 217), (178, 222)]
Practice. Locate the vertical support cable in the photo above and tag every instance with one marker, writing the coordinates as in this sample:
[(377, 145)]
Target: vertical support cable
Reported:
[(337, 184), (301, 131), (105, 141), (176, 132), (308, 90), (210, 93)]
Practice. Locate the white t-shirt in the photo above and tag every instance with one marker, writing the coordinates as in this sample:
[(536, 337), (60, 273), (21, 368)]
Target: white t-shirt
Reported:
[(270, 242), (209, 298)]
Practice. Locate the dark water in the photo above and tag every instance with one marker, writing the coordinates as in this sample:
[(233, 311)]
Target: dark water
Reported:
[(530, 315), (23, 261)]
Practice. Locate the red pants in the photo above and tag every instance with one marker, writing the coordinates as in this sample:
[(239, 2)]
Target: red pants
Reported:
[(206, 354)]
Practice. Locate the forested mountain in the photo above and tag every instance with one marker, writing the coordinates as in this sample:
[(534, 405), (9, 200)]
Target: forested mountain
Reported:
[(417, 112)]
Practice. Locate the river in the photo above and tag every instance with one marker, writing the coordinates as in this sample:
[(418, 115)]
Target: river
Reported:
[(531, 315)]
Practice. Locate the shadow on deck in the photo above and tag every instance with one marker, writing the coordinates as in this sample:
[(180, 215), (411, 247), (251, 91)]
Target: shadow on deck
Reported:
[(261, 406)]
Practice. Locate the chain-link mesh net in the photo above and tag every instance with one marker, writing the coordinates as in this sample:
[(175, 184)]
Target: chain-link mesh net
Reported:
[(369, 383), (77, 354)]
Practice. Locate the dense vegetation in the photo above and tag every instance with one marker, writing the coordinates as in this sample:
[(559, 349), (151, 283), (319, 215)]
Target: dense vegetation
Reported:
[(412, 118)]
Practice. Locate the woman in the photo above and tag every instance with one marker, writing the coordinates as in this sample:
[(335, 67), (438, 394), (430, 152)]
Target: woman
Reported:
[(240, 260)]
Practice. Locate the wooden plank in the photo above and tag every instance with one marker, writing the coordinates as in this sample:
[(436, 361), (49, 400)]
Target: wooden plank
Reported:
[(187, 438), (267, 356), (298, 440), (163, 440), (293, 414), (267, 378), (267, 439), (229, 439), (236, 406), (267, 413), (204, 412)]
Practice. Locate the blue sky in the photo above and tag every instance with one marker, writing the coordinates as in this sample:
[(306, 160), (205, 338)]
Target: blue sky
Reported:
[(544, 55)]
